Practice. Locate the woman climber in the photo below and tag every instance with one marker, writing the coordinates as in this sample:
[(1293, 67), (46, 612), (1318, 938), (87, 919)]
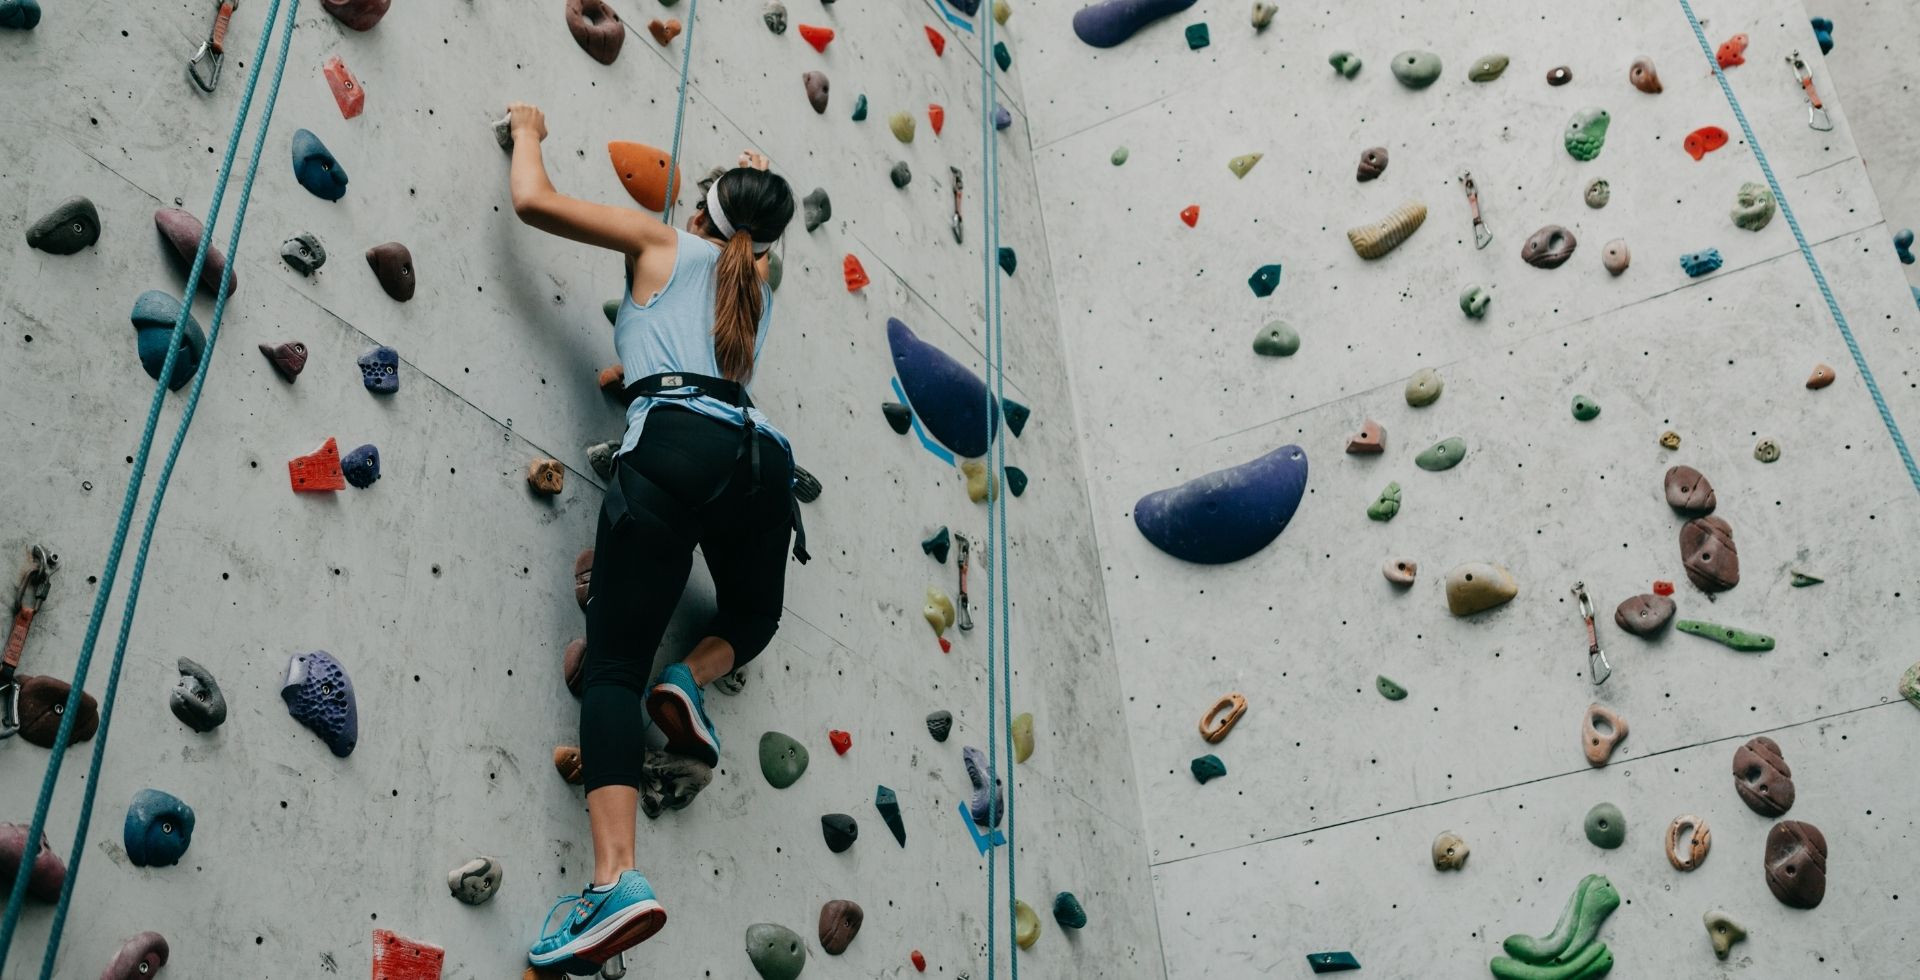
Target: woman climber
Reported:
[(699, 466)]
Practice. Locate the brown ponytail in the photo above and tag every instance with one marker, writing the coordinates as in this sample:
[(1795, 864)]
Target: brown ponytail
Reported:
[(737, 304)]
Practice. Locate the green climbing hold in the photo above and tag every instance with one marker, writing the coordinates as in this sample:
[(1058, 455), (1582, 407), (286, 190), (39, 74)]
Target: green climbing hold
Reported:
[(1488, 68), (860, 107), (1801, 579), (1345, 62), (1008, 260), (1474, 301), (902, 125), (1388, 689), (1119, 156), (1606, 826), (1753, 207), (1208, 767), (1424, 388), (1587, 133), (1442, 455), (1910, 685), (1387, 505), (1243, 163), (1416, 69), (774, 269), (1016, 415), (1016, 480), (1067, 911), (1585, 409), (1265, 280), (782, 759), (777, 952), (1001, 56), (1197, 36), (611, 308), (1745, 641), (1574, 939), (1276, 339)]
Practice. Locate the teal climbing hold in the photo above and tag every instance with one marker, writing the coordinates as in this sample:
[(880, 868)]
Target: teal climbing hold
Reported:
[(1474, 301), (1339, 962), (1119, 156), (1067, 911), (20, 15), (1345, 62), (1416, 69), (1208, 767), (1008, 261), (1606, 826), (937, 546), (860, 107), (888, 803), (1388, 689), (777, 952), (1442, 455), (1197, 36), (158, 830), (316, 169), (1265, 280), (1016, 480), (1001, 56), (1697, 264), (153, 316), (1016, 415)]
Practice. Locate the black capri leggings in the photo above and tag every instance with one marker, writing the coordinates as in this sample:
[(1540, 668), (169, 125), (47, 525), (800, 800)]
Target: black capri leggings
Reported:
[(640, 568)]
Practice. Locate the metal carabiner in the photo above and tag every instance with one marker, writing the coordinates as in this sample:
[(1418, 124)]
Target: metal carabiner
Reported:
[(1597, 666), (1817, 119), (36, 580), (966, 552), (956, 214), (213, 51), (1481, 236), (614, 968)]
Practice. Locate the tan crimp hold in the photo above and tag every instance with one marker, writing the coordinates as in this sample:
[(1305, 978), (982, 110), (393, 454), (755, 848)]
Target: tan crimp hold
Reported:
[(1215, 732), (566, 761), (1702, 840), (1374, 240), (1599, 748)]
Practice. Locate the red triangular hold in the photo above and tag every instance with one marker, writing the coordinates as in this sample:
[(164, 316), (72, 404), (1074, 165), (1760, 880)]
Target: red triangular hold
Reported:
[(946, 645), (842, 741), (856, 274), (937, 116), (938, 40), (1190, 214), (318, 471), (819, 37), (395, 957)]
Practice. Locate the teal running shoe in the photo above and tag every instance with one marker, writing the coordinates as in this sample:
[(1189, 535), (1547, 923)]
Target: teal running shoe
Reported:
[(599, 925), (677, 706)]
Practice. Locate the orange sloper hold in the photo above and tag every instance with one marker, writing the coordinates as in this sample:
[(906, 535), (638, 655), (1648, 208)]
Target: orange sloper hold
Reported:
[(819, 37), (937, 115), (395, 957), (856, 274), (317, 471), (938, 40), (643, 170)]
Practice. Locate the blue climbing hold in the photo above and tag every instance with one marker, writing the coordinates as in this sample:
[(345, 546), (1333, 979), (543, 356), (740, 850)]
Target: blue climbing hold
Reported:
[(1001, 117), (949, 399), (1016, 415), (362, 466), (1700, 263), (159, 828), (1265, 280), (968, 7), (888, 803), (1229, 514), (1016, 480), (1823, 33), (153, 316), (320, 696), (1903, 245), (21, 15), (1110, 22), (1916, 294), (380, 370), (1008, 261), (316, 169)]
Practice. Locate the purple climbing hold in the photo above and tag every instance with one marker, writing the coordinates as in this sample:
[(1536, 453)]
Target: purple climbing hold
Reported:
[(1228, 514), (948, 397), (1001, 117), (319, 696), (1110, 22), (380, 370), (139, 958), (159, 829), (49, 872), (153, 316), (984, 804), (362, 466), (183, 231)]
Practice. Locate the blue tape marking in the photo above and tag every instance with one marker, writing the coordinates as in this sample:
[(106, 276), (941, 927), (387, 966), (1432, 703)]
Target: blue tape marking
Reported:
[(953, 18), (984, 842), (940, 452)]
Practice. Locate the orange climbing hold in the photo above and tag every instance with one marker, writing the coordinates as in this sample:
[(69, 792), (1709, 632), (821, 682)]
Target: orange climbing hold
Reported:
[(819, 37), (395, 957), (644, 171), (937, 115), (1190, 214), (546, 476), (613, 379), (346, 88), (856, 274), (1733, 52), (938, 40), (318, 471), (1662, 587), (1705, 140), (842, 741), (663, 31)]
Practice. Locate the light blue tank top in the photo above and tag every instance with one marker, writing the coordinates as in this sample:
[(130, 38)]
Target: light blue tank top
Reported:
[(674, 332)]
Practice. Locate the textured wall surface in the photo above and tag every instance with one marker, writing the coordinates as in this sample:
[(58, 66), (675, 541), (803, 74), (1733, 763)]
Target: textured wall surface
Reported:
[(1875, 74), (445, 589)]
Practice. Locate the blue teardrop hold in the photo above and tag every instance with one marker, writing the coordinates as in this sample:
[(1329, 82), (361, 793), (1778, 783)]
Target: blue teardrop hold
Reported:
[(153, 316), (1229, 514), (950, 399), (316, 169)]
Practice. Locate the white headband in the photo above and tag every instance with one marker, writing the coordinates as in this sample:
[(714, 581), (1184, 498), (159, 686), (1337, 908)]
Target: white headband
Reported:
[(719, 219)]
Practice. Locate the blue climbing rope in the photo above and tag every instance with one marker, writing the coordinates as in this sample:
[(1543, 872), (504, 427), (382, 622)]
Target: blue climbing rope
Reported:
[(680, 113), (1806, 250), (17, 897)]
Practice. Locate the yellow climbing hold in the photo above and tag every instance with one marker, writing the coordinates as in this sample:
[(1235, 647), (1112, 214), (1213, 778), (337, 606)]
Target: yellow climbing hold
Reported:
[(1243, 163), (1022, 732), (902, 125), (981, 486), (1026, 925), (939, 611), (1001, 11)]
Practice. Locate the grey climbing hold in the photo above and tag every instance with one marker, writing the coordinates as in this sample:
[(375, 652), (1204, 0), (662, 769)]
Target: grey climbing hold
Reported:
[(777, 952), (899, 417), (72, 225), (670, 782), (1598, 193), (840, 831), (476, 882), (1442, 455), (860, 107), (937, 545), (316, 169), (817, 208), (1265, 280), (600, 458), (1722, 931), (1262, 16), (1388, 689), (1208, 767), (1386, 505), (888, 803), (154, 314), (1488, 68), (1067, 911), (1478, 586), (775, 268), (1016, 415), (985, 803), (817, 89), (1416, 69), (1119, 156), (1753, 207), (1697, 264), (1016, 480), (1276, 339), (1474, 301), (1606, 826), (1424, 388), (1587, 133), (21, 15), (806, 488), (901, 174), (1345, 62), (304, 253), (196, 699), (782, 759), (774, 15), (1585, 409), (939, 725)]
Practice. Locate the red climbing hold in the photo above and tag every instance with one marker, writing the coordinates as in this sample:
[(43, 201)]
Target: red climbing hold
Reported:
[(1662, 587), (819, 37), (1733, 51), (856, 274), (318, 471), (1190, 214), (1705, 140), (937, 116), (938, 40), (395, 957), (842, 741), (346, 88), (919, 962), (946, 645)]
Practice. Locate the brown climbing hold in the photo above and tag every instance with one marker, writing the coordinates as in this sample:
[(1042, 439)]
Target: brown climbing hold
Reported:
[(289, 359), (360, 15), (1644, 614), (1762, 777), (1372, 439), (613, 380), (1796, 863), (1373, 163), (1400, 571), (1821, 377), (42, 702), (1689, 493), (816, 83), (597, 29), (839, 922), (546, 476), (1706, 548), (183, 232), (583, 577), (566, 761), (573, 665), (1215, 728), (1599, 745), (664, 31), (1560, 76), (1696, 850), (1643, 77), (392, 264), (1670, 439), (1549, 248), (1479, 586), (1616, 256), (643, 171)]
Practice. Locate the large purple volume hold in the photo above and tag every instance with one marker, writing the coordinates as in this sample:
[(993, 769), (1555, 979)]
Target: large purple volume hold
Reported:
[(1229, 514), (319, 696), (950, 399), (1110, 22)]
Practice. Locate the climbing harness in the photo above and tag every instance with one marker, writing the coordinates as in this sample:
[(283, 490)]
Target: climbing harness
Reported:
[(35, 580), (1481, 236), (213, 51), (1806, 252), (16, 899), (1597, 667), (956, 205), (1816, 110), (966, 552)]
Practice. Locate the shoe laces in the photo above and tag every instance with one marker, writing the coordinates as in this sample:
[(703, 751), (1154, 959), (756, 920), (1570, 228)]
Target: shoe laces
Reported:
[(546, 927)]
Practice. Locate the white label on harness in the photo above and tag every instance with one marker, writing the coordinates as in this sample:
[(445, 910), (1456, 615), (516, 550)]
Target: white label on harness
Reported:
[(672, 381)]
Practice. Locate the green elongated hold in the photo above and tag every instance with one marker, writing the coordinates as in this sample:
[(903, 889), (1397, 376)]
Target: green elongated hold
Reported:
[(1801, 579), (1388, 689), (1442, 455), (1243, 163), (1345, 62), (1599, 903), (1745, 641), (1488, 68), (860, 107), (782, 759), (1585, 409), (1387, 505), (1594, 961), (1416, 69), (1544, 950), (1119, 156), (1592, 902), (1587, 133), (1276, 339), (1474, 301)]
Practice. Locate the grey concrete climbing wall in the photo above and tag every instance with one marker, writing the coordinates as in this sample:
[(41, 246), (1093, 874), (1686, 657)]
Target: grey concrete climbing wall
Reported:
[(445, 589), (1874, 74), (1317, 839)]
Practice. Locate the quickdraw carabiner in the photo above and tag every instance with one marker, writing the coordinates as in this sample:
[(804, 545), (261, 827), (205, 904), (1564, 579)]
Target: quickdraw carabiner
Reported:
[(956, 211), (1597, 667), (966, 552), (1481, 236), (1816, 110), (213, 51), (36, 580)]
